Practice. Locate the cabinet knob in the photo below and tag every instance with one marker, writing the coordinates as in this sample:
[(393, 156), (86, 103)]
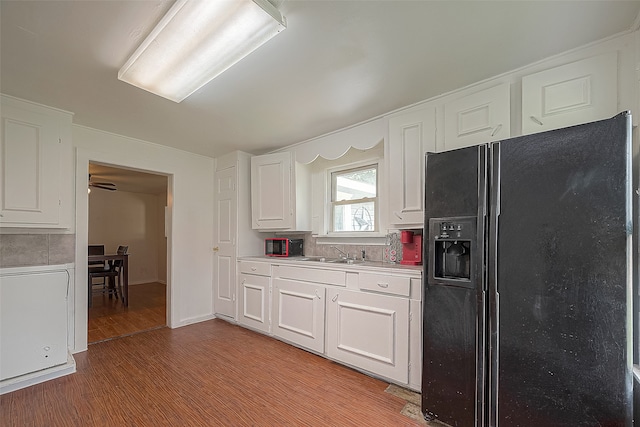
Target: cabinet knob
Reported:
[(383, 285), (335, 298), (397, 214), (216, 249), (496, 130)]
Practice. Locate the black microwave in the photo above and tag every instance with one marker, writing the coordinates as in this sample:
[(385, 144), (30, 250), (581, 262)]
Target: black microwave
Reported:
[(283, 247)]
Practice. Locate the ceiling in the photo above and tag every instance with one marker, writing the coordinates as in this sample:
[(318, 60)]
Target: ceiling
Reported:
[(337, 64), (127, 180)]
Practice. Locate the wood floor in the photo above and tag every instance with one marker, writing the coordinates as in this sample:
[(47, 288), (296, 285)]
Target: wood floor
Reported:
[(108, 318), (208, 374)]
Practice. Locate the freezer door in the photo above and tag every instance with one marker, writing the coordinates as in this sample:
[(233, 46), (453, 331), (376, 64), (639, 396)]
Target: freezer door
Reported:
[(453, 304), (560, 286)]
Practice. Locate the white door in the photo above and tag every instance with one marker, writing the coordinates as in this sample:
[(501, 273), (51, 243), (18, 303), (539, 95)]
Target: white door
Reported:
[(298, 313), (224, 251)]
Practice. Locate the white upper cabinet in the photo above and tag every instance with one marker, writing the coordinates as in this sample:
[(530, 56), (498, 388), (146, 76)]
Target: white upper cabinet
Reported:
[(411, 135), (36, 179), (477, 118), (571, 94), (279, 192), (271, 205)]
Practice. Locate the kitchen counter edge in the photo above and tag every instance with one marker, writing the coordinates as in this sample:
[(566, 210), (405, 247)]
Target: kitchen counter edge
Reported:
[(415, 270)]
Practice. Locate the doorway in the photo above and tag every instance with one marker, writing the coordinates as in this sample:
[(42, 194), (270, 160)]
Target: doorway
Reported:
[(128, 208)]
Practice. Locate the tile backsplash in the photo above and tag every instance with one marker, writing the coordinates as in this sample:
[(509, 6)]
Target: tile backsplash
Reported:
[(389, 252), (22, 250)]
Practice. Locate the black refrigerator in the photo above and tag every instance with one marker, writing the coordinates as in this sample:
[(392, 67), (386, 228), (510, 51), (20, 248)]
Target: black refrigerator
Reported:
[(527, 280)]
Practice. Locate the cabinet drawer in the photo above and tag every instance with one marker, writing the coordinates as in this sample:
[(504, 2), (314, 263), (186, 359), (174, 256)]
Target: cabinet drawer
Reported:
[(257, 268), (315, 275), (386, 284)]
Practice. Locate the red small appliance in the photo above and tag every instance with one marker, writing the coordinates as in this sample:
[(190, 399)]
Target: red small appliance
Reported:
[(283, 247), (411, 248)]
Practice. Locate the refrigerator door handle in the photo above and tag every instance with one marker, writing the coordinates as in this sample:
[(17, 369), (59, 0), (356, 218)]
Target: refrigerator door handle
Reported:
[(492, 279)]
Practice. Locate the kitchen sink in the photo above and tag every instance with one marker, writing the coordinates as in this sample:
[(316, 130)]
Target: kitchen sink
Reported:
[(345, 261), (330, 260)]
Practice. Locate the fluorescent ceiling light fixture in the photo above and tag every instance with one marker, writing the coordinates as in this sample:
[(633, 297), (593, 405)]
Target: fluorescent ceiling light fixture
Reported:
[(196, 41)]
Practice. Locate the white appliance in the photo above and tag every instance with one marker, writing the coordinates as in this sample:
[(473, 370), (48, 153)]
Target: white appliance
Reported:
[(33, 319)]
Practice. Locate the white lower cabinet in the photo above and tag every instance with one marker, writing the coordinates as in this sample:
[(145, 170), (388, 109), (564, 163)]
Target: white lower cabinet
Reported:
[(367, 319), (370, 332), (298, 313), (253, 301)]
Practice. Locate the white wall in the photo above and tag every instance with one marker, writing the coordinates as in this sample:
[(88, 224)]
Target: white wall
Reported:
[(131, 219), (190, 199)]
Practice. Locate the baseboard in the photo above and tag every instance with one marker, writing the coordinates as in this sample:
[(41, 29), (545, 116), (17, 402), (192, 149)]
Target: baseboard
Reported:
[(27, 380), (226, 318), (192, 320), (146, 282)]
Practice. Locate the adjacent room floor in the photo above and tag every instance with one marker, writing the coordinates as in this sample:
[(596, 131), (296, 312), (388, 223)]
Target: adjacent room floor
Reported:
[(147, 309)]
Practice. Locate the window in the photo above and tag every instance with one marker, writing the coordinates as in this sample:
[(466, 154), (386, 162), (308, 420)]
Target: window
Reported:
[(354, 199)]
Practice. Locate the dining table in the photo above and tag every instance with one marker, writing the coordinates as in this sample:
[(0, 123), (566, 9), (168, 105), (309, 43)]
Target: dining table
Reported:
[(125, 271)]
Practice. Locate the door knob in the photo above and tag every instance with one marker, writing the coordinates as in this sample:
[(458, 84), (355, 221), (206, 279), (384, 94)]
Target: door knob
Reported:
[(216, 249)]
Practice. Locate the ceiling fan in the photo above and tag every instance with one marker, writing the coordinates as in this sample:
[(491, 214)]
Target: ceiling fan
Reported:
[(102, 185)]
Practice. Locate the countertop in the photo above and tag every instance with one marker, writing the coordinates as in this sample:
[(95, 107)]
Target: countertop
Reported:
[(330, 263)]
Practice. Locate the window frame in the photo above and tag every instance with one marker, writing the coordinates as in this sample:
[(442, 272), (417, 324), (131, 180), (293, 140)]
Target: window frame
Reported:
[(330, 195)]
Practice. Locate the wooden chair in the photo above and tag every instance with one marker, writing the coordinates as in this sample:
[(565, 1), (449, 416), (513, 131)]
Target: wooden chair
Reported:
[(117, 266), (111, 274), (94, 267), (96, 250)]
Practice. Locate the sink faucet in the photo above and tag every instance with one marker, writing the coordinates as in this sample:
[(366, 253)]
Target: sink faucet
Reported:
[(344, 255)]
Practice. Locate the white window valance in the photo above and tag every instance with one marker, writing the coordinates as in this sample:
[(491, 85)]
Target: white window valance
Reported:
[(334, 145)]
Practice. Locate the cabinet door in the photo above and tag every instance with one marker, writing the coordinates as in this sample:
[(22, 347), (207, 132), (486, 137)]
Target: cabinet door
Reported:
[(271, 204), (298, 313), (481, 117), (253, 301), (29, 166), (572, 94), (370, 332), (225, 231), (411, 135)]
